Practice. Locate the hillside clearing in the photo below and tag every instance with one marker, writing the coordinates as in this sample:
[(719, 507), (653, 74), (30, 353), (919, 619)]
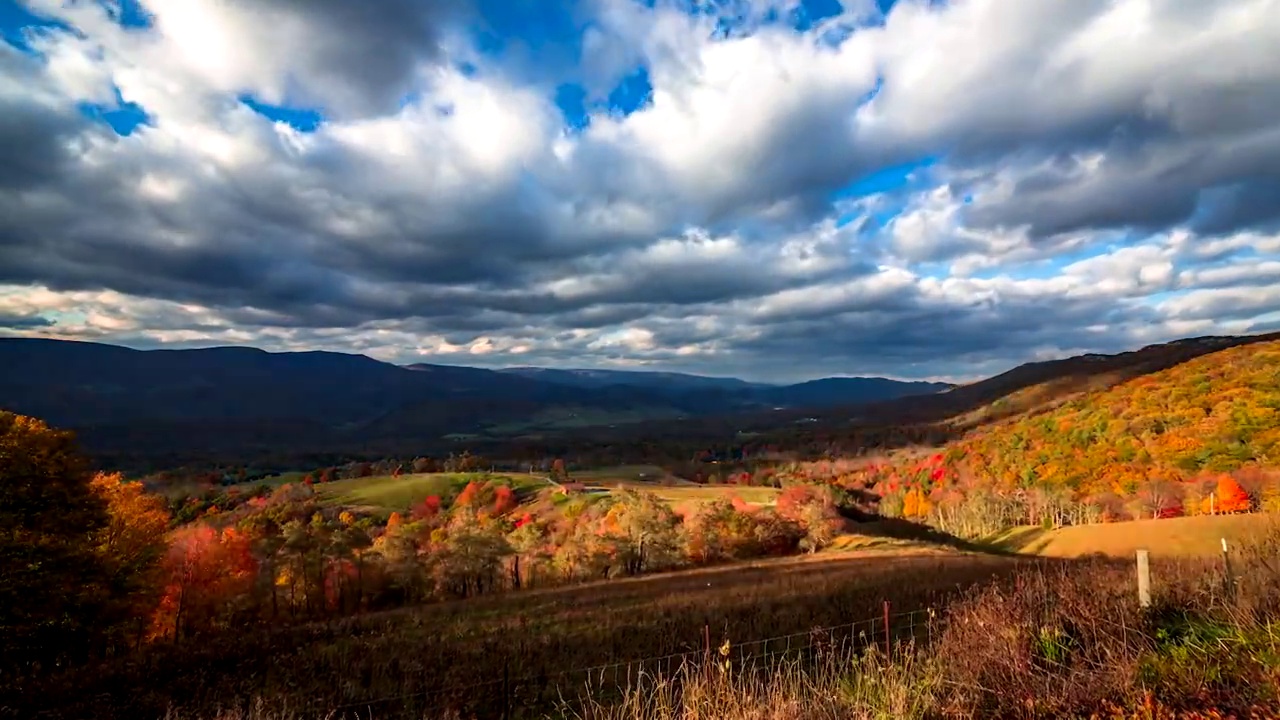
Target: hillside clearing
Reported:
[(627, 473), (398, 494), (680, 494), (1199, 536)]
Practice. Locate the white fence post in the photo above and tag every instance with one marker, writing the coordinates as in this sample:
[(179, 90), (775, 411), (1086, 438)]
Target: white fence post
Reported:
[(1144, 579)]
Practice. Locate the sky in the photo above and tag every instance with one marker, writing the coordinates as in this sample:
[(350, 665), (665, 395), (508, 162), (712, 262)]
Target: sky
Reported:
[(772, 189)]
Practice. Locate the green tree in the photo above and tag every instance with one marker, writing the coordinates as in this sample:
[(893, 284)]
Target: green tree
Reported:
[(646, 532)]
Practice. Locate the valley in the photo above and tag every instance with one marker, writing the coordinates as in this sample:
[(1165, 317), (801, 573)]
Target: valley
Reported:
[(528, 581)]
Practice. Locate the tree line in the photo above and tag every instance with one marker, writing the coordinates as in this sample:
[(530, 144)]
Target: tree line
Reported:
[(97, 566)]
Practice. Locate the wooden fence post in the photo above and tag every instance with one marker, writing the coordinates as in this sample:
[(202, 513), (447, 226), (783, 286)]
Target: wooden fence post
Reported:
[(1144, 579), (887, 648), (1226, 568)]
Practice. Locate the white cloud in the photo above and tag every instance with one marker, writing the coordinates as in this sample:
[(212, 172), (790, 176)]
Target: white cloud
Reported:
[(1085, 158)]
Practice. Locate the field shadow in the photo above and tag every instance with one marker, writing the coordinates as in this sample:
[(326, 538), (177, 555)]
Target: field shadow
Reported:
[(899, 529), (1020, 541)]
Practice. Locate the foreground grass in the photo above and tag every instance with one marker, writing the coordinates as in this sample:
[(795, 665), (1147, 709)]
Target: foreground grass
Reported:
[(1199, 536), (511, 652), (1053, 641), (1026, 639)]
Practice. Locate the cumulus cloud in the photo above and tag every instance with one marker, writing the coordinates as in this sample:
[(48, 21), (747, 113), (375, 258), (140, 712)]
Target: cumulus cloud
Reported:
[(1095, 175)]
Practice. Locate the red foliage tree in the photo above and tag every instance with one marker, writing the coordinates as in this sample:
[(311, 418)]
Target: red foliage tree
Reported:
[(205, 570), (504, 500), (792, 498), (427, 509)]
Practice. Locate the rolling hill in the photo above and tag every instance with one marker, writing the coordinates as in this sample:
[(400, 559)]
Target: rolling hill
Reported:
[(1156, 445), (824, 392), (172, 404), (589, 378), (1214, 414)]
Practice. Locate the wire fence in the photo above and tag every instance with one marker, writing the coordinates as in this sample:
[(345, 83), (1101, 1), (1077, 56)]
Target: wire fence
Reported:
[(513, 693)]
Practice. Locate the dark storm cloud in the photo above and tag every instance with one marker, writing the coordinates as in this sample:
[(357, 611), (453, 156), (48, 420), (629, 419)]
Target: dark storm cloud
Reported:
[(351, 58), (1252, 203), (33, 133), (923, 337), (18, 322), (1117, 140)]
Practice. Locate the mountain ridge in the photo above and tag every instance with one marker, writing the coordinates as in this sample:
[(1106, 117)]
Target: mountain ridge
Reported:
[(117, 396)]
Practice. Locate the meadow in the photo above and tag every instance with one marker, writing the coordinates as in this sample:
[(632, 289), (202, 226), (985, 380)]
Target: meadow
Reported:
[(387, 493), (399, 493), (1180, 537)]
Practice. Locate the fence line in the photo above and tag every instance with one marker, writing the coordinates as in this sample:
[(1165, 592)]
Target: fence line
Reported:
[(508, 684)]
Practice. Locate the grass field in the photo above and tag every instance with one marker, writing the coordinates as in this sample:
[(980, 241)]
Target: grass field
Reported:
[(572, 417), (401, 493), (520, 647), (681, 494), (627, 473), (1199, 536)]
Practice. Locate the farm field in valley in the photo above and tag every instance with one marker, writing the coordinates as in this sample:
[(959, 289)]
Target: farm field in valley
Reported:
[(388, 493), (628, 473)]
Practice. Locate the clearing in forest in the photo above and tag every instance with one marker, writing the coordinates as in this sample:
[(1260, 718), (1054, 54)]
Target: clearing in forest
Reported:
[(1198, 536), (401, 493)]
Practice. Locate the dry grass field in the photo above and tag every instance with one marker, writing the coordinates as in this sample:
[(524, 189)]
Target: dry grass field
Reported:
[(524, 649), (1189, 537)]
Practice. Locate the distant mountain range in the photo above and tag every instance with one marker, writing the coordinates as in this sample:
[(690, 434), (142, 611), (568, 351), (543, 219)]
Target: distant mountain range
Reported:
[(245, 399), (827, 392), (163, 408)]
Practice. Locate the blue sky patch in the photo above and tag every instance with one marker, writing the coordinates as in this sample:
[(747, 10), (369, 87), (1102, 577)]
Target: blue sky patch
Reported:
[(16, 22), (571, 98), (631, 93), (303, 119), (124, 117), (129, 13)]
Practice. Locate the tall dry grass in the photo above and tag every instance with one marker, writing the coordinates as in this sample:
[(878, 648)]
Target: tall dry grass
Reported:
[(1054, 641), (844, 683), (518, 652)]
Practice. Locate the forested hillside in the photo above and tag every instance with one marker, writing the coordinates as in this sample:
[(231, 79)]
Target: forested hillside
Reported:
[(1218, 413), (1202, 436)]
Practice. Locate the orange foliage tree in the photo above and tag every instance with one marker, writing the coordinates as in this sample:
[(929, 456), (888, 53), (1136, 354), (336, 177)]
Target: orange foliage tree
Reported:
[(1228, 498), (131, 544)]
